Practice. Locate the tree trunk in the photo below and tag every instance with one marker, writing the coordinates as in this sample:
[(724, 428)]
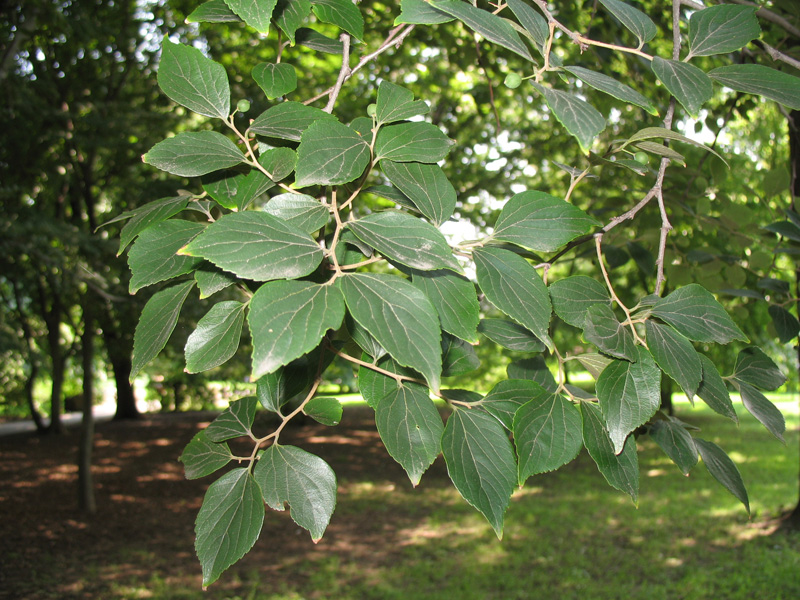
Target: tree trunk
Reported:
[(86, 500), (793, 520), (57, 375), (121, 366)]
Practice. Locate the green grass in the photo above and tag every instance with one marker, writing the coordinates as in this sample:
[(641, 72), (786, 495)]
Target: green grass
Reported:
[(568, 536)]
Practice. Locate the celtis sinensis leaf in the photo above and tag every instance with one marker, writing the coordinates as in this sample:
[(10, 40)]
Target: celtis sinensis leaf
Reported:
[(256, 245), (629, 394), (235, 421), (342, 13), (675, 355), (580, 118), (405, 239), (763, 81), (534, 369), (229, 522), (216, 338), (510, 335), (758, 405), (275, 79), (202, 457), (410, 427), (723, 469), (324, 409), (397, 103), (213, 11), (722, 29), (146, 216), (194, 154), (757, 369), (191, 79), (714, 392), (256, 13), (573, 296), (235, 191), (480, 462), (690, 86), (289, 15), (676, 443), (426, 185), (412, 142), (419, 12), (514, 286), (534, 23), (288, 120), (633, 19), (540, 222), (400, 317), (153, 255), (330, 153), (287, 474), (211, 280), (374, 385), (786, 324), (458, 356), (288, 319), (602, 329), (547, 433), (158, 320), (612, 87), (304, 212), (455, 300), (694, 312), (621, 470)]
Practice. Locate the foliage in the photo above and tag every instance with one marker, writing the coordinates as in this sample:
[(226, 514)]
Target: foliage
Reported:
[(324, 271)]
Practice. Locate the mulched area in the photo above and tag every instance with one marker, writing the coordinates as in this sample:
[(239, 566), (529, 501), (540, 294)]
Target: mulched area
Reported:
[(143, 529)]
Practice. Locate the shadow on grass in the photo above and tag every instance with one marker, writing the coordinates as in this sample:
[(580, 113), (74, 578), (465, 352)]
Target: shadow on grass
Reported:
[(568, 535)]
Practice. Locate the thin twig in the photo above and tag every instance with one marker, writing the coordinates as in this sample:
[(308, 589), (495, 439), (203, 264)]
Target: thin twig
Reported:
[(344, 73)]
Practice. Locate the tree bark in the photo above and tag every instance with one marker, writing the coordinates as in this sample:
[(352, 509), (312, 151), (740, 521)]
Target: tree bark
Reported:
[(86, 499)]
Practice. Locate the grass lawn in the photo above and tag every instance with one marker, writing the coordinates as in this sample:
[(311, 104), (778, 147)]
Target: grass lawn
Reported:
[(568, 534)]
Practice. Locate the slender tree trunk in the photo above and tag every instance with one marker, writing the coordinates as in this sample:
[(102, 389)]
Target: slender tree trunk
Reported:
[(57, 362), (119, 352), (794, 153), (86, 500), (33, 360)]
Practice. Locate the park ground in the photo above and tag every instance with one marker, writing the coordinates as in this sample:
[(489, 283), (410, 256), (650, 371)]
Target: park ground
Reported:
[(567, 534)]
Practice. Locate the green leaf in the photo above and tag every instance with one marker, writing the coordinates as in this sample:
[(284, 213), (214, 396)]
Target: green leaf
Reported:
[(723, 469), (612, 87), (400, 317), (541, 222), (412, 142), (273, 390), (458, 356), (661, 150), (288, 120), (480, 462), (573, 296), (411, 428), (676, 443), (534, 369), (275, 79), (785, 229), (714, 392), (455, 300), (213, 11), (629, 394), (316, 41), (374, 386), (153, 256), (278, 162), (426, 185), (330, 153), (694, 312), (397, 103), (419, 12), (581, 119), (666, 134), (235, 191), (191, 79), (157, 323), (364, 339), (602, 329), (633, 19), (202, 457), (146, 216), (547, 433), (256, 13), (405, 239), (516, 288), (758, 405), (324, 409), (288, 319), (507, 396), (534, 23), (211, 280), (256, 245), (289, 15), (690, 86), (306, 482), (594, 363), (229, 522), (621, 470), (721, 29), (758, 369), (235, 421), (763, 81), (342, 13), (304, 212), (216, 338), (786, 324), (675, 355), (492, 27), (194, 154), (510, 335)]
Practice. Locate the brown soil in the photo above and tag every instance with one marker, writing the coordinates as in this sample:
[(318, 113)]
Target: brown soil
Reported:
[(143, 530)]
